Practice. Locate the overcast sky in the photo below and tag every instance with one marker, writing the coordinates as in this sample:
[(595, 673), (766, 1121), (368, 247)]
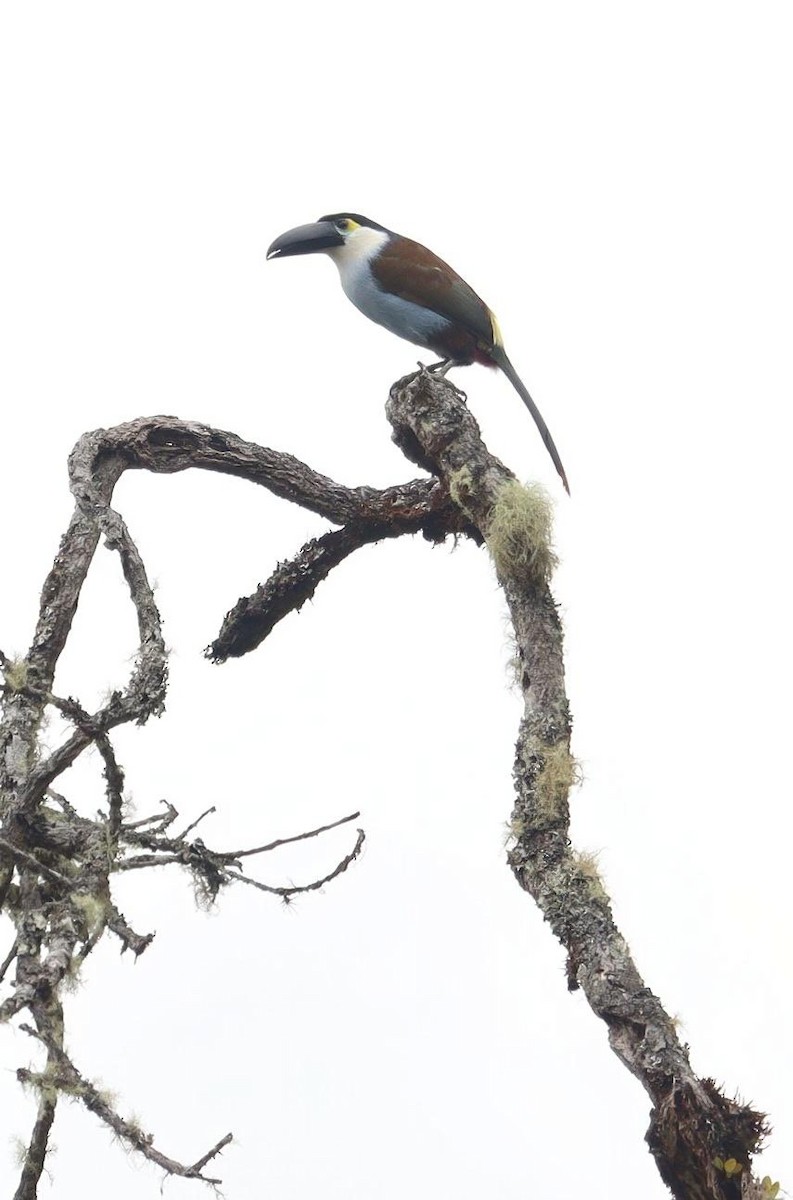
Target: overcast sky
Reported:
[(615, 180)]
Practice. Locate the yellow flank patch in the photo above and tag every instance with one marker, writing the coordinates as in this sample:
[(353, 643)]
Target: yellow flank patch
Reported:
[(497, 338)]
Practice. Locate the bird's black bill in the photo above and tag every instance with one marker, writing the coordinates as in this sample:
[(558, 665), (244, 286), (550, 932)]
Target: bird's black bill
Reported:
[(306, 239)]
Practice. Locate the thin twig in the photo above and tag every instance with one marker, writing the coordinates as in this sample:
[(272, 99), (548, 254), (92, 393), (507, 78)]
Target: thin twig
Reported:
[(34, 863), (181, 836), (147, 860), (9, 958), (130, 940), (298, 837), (163, 820), (36, 1152), (286, 892), (62, 802), (64, 1076)]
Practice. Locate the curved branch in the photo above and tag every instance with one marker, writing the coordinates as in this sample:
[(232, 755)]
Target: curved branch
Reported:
[(63, 860), (166, 445), (693, 1126), (291, 584), (61, 905), (286, 893)]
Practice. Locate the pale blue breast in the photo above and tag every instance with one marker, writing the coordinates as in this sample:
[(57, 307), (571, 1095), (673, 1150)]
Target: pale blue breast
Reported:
[(402, 317)]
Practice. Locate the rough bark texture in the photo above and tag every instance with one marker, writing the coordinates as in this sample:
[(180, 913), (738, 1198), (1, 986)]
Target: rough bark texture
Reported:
[(694, 1129), (56, 866)]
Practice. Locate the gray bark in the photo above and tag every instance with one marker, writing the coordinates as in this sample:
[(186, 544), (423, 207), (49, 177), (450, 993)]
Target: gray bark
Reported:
[(56, 862)]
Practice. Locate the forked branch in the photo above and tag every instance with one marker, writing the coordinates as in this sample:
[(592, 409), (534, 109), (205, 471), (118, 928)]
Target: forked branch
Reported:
[(55, 861), (56, 866), (694, 1129)]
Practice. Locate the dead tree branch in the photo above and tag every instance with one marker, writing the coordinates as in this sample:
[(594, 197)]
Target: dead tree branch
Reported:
[(62, 1077), (53, 861), (693, 1126), (56, 866)]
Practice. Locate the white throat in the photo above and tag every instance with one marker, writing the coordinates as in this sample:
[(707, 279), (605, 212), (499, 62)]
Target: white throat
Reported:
[(359, 248), (406, 319)]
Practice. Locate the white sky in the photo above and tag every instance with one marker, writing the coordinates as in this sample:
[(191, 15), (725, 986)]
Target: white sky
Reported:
[(616, 181)]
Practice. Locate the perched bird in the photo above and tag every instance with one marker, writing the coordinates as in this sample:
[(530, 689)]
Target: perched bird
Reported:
[(404, 286)]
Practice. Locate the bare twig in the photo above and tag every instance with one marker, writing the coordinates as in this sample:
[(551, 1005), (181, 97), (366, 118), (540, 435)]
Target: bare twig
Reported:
[(92, 727), (288, 841), (157, 820), (63, 1076), (287, 892), (193, 824), (33, 1164), (215, 867), (62, 802), (140, 861), (130, 940), (34, 863), (9, 958)]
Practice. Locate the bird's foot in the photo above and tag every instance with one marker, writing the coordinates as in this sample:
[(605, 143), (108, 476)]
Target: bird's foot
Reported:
[(440, 368)]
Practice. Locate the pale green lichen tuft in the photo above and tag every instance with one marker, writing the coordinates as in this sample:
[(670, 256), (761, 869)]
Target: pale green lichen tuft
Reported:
[(92, 910), (15, 674), (587, 863), (106, 1095), (47, 1083), (515, 670), (514, 830), (19, 1152), (72, 981), (557, 775), (519, 533), (461, 484)]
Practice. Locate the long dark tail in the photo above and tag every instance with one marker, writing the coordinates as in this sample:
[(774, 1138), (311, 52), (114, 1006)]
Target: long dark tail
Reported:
[(499, 357)]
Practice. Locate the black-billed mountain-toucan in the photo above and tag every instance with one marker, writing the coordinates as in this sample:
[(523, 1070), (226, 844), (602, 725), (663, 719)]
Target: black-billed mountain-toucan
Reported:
[(403, 286)]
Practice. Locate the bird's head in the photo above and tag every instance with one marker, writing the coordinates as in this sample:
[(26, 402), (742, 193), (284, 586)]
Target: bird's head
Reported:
[(344, 236)]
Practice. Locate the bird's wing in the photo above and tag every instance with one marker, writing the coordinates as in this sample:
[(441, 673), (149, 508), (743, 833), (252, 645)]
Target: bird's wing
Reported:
[(414, 273)]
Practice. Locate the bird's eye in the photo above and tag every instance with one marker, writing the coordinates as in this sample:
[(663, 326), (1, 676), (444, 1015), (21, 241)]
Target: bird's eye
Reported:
[(343, 225)]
